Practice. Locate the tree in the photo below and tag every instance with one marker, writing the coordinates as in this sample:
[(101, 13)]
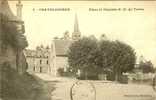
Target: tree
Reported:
[(146, 67), (93, 57), (116, 56), (82, 55)]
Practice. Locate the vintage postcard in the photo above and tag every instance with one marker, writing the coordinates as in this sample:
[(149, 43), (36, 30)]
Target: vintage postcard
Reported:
[(77, 50)]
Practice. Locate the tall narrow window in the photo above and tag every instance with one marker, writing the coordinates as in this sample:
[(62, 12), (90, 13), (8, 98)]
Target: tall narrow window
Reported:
[(47, 62), (40, 69), (34, 69), (40, 61)]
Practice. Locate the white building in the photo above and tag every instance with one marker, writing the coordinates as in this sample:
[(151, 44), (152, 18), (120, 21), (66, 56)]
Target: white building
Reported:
[(49, 60), (59, 49), (38, 60)]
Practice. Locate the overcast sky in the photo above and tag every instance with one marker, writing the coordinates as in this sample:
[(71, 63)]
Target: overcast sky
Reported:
[(137, 27)]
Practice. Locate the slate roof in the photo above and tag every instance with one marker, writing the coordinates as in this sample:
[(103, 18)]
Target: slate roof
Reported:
[(61, 46), (29, 53), (36, 53)]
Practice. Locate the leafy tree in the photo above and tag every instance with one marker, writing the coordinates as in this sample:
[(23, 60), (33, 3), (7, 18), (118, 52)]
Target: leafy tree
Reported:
[(116, 56), (82, 55), (146, 67), (93, 57)]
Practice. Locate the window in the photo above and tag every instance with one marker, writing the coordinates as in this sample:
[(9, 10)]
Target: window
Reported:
[(47, 62), (40, 61), (40, 69), (34, 69)]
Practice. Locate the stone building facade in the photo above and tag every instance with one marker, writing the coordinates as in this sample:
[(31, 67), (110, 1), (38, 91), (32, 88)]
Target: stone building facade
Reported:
[(49, 60), (60, 47), (59, 59), (38, 60)]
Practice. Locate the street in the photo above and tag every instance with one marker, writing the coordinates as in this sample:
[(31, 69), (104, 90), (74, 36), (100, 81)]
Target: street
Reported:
[(105, 90)]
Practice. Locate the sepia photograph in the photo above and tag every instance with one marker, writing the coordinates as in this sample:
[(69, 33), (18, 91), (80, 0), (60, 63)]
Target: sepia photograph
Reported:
[(77, 50)]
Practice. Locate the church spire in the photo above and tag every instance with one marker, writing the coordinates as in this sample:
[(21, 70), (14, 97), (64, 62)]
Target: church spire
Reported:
[(76, 34), (76, 24), (19, 9)]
